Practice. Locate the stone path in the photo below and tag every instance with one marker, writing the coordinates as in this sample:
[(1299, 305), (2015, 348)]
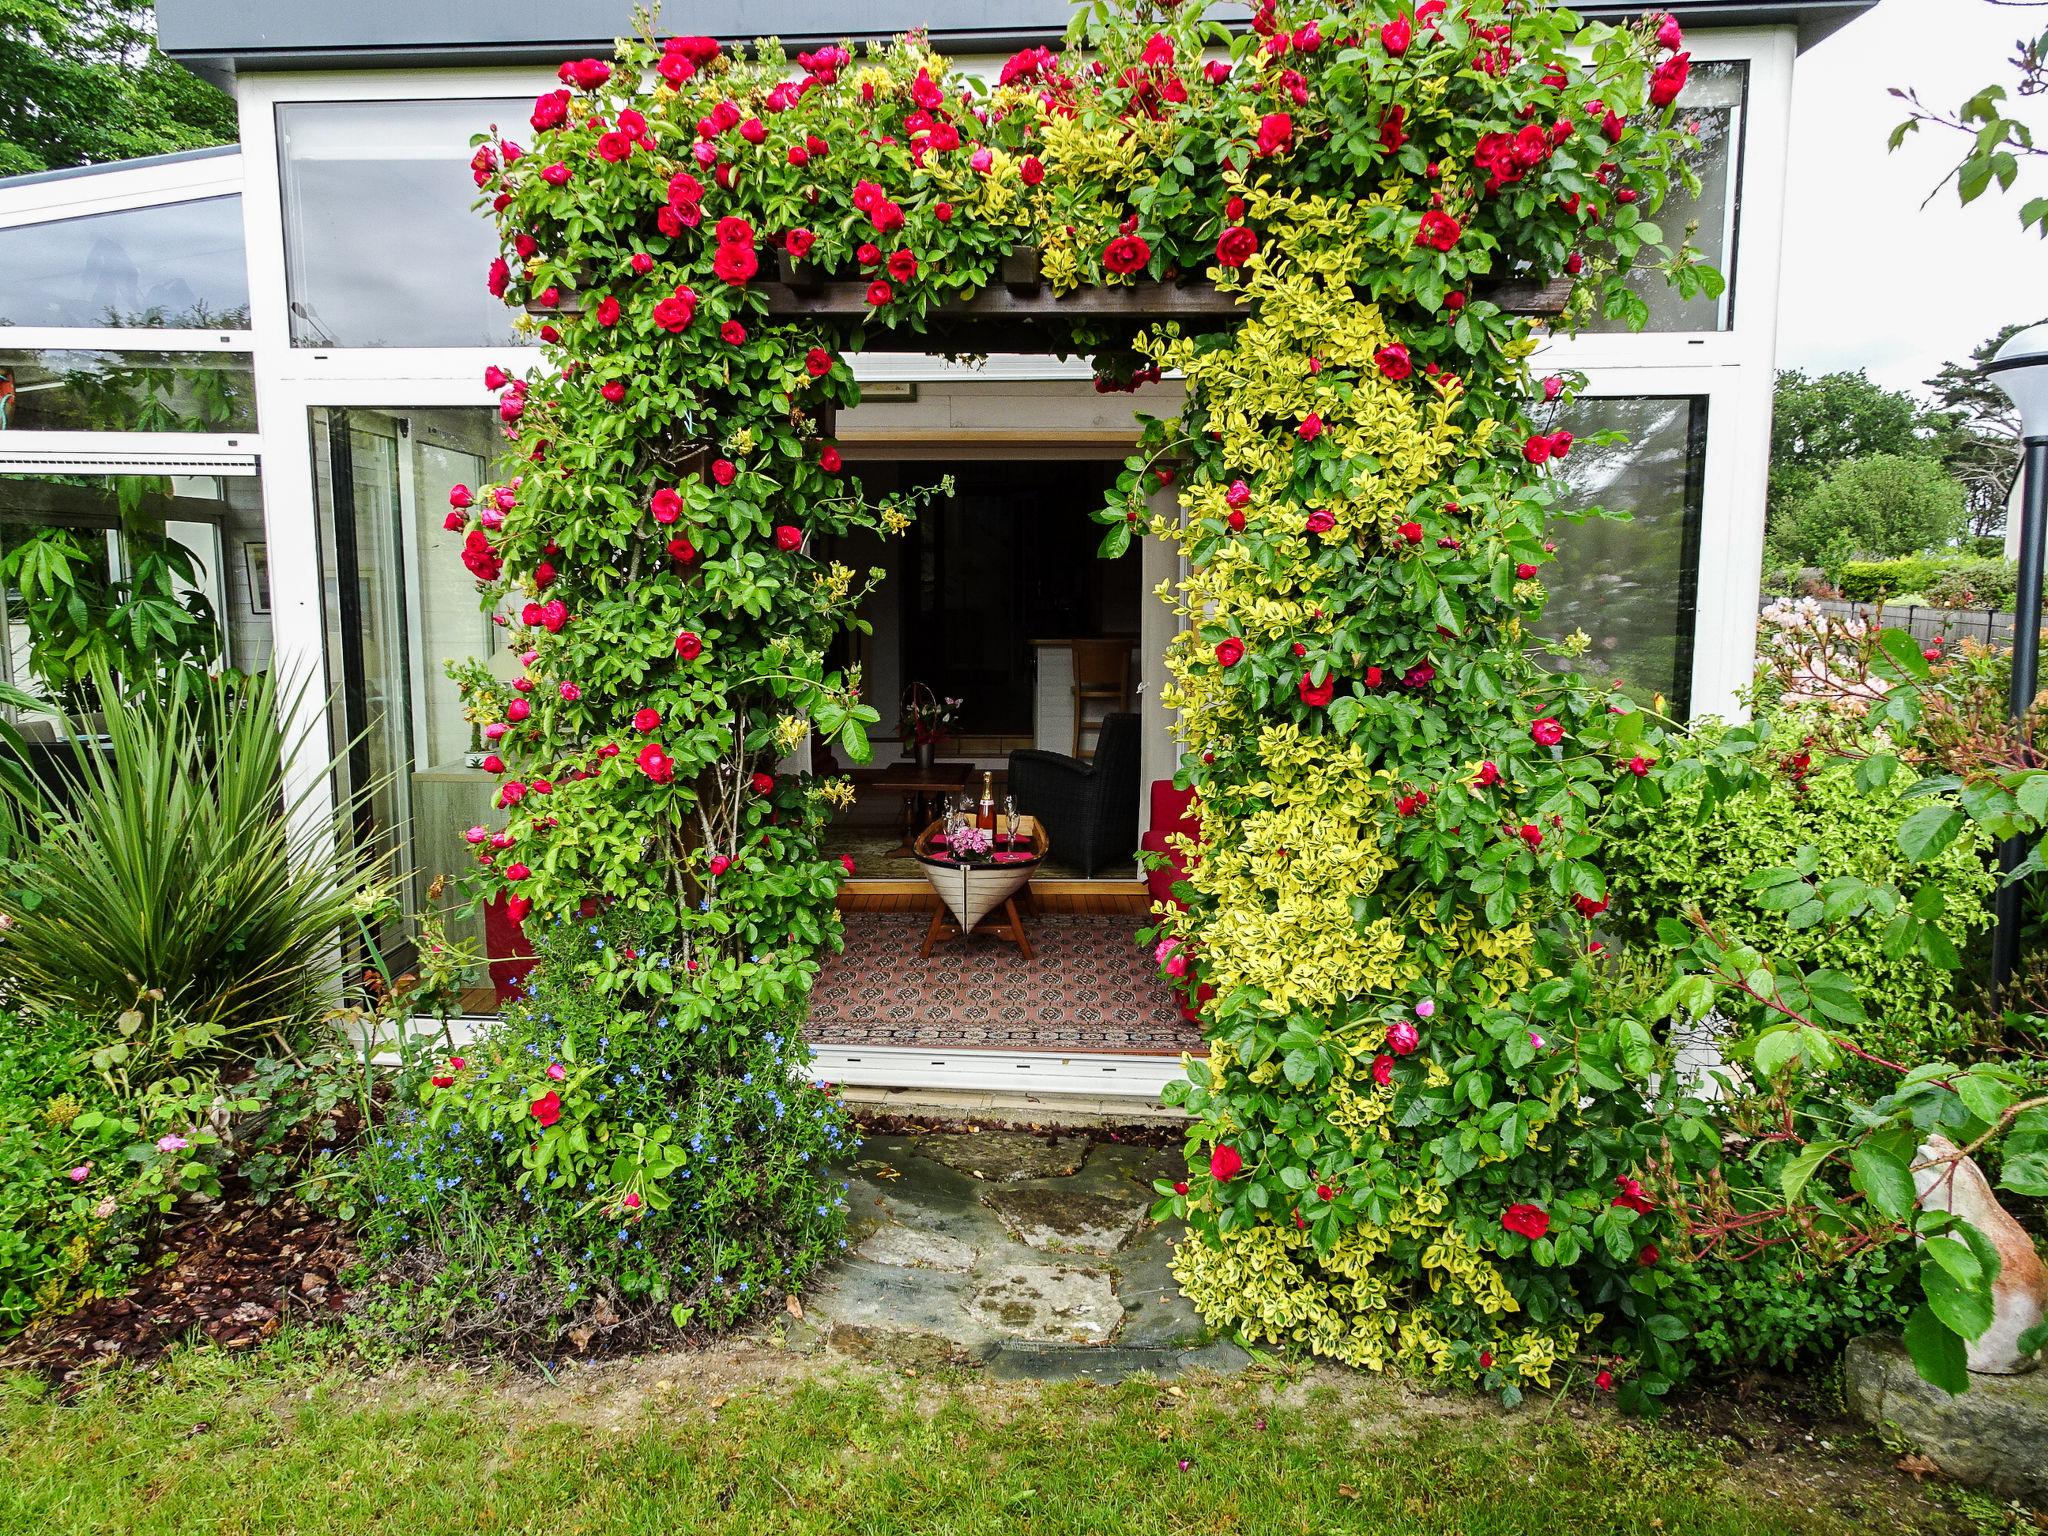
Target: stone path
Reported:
[(1030, 1256)]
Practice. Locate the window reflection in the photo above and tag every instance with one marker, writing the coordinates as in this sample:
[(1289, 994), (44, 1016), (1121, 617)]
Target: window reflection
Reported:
[(177, 265), (1632, 587), (382, 246), (126, 392)]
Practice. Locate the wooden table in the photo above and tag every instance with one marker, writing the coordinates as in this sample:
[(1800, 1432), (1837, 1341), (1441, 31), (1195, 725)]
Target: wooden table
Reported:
[(918, 786), (976, 890)]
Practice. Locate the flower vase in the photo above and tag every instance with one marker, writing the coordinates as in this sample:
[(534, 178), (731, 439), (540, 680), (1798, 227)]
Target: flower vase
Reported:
[(927, 756)]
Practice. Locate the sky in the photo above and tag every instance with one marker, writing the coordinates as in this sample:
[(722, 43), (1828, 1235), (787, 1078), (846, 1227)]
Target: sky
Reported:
[(1871, 279)]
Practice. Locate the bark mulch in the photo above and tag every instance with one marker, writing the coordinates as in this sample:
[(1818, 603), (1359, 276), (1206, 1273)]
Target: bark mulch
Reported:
[(231, 1276)]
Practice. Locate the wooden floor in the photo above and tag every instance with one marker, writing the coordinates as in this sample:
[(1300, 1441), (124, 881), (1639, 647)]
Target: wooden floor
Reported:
[(1053, 898)]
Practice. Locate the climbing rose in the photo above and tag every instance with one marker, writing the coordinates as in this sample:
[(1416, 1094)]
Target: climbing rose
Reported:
[(1604, 1381), (880, 293), (1669, 79), (1126, 254), (1537, 449), (688, 646), (675, 312), (789, 538), (1403, 1037), (1546, 732), (547, 1109), (1530, 1221), (1319, 521), (732, 333), (1229, 652), (1488, 774), (1383, 1069), (735, 263), (720, 864), (646, 719), (1235, 245), (1276, 133), (830, 462), (846, 862), (681, 550), (818, 362), (460, 497), (902, 266), (724, 471), (1030, 171), (1438, 230), (655, 763), (667, 506), (798, 243), (1315, 694), (1632, 1197), (1224, 1162), (764, 783), (1310, 429), (1412, 532), (1394, 362)]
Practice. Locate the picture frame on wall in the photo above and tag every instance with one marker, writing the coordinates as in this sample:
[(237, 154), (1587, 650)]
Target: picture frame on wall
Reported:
[(256, 563)]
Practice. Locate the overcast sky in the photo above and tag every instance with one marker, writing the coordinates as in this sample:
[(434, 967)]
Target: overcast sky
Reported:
[(1872, 280)]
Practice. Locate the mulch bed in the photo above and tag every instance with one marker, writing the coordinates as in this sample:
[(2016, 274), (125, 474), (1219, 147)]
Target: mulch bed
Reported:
[(230, 1275), (881, 1123)]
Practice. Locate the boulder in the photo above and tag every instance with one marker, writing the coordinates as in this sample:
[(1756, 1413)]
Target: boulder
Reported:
[(1994, 1436)]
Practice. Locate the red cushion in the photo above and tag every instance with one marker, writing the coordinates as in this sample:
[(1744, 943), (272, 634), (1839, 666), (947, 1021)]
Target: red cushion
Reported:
[(511, 957), (1173, 810)]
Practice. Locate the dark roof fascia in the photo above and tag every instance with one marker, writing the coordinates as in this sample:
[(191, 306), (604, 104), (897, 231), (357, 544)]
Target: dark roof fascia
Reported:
[(215, 38)]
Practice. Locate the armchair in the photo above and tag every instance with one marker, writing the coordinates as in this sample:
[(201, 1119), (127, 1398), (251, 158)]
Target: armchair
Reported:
[(1089, 809)]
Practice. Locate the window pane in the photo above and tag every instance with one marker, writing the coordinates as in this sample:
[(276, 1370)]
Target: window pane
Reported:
[(382, 247), (400, 608), (1632, 587), (126, 392), (176, 264), (1712, 109)]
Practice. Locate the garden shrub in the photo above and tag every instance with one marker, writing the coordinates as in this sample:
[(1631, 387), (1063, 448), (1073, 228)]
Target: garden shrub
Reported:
[(1979, 583), (583, 1168), (1782, 1308), (1876, 581), (1881, 505), (1414, 1141), (1681, 858)]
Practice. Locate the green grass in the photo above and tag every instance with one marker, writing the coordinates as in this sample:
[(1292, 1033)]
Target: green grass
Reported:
[(289, 1444)]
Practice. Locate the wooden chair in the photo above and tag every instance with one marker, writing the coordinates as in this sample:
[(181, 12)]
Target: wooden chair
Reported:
[(1102, 675)]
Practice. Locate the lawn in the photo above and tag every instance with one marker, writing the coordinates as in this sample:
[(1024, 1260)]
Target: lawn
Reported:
[(748, 1439)]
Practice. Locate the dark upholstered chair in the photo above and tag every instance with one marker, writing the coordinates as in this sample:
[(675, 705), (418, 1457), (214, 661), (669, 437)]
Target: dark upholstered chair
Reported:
[(1089, 809)]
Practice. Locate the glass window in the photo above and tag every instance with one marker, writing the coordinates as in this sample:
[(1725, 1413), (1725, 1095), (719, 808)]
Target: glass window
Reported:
[(1632, 587), (126, 392), (168, 265), (400, 609), (1711, 110), (382, 245)]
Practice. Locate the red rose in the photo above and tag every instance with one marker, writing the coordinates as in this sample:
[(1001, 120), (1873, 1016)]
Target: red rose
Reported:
[(1315, 694), (789, 539), (846, 862), (646, 719), (902, 266), (1560, 444), (764, 783), (1604, 1380), (798, 243), (1640, 766), (444, 1082), (879, 293), (642, 263), (830, 462), (724, 471), (688, 646), (461, 497), (1126, 254), (943, 212), (1319, 521), (1531, 834), (607, 311), (1649, 1255), (1412, 532), (1225, 1161), (655, 763), (547, 1109), (1030, 171), (1632, 1197), (1276, 133), (518, 872), (1235, 245), (732, 333), (681, 550), (735, 263), (555, 175), (1396, 35), (720, 864), (1537, 449), (1229, 652), (1530, 1221), (667, 506), (1438, 230), (1488, 775), (676, 312), (1310, 429), (613, 391), (1525, 571), (1669, 79), (818, 362), (1383, 1069), (1393, 361), (1546, 732), (454, 522)]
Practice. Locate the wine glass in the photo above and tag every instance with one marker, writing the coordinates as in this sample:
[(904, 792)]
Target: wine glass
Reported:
[(1010, 818)]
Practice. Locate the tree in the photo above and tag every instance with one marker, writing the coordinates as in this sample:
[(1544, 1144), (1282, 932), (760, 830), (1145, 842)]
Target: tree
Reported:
[(1819, 420), (1880, 505), (81, 82), (1998, 142), (1978, 433)]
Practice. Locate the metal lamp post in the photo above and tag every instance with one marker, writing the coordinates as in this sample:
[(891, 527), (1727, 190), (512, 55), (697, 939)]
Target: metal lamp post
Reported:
[(2020, 369)]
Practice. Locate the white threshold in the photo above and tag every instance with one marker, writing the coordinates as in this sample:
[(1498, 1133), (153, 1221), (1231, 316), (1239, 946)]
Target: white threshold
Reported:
[(973, 1069)]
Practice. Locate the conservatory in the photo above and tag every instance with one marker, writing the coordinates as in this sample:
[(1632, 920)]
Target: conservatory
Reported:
[(274, 357)]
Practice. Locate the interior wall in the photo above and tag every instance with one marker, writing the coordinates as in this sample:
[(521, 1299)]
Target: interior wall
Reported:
[(245, 574)]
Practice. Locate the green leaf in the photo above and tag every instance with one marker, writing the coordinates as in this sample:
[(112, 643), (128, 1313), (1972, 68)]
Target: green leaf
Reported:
[(2026, 1174), (1938, 1353), (1928, 831), (1885, 1180), (1985, 1097), (1795, 1174), (1964, 1307)]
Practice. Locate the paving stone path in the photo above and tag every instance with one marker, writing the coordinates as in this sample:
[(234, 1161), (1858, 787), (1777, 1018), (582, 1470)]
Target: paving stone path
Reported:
[(1026, 1255)]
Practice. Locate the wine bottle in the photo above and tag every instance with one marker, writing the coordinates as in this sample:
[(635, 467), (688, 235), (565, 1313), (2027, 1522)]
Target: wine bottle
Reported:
[(987, 819)]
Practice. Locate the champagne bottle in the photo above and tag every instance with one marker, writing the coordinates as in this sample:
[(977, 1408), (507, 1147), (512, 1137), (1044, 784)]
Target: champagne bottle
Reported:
[(987, 819)]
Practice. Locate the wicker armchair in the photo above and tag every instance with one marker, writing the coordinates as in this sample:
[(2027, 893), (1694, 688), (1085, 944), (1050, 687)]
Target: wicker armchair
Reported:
[(1089, 809)]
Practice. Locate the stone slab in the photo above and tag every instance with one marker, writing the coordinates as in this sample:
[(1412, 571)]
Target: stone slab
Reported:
[(1005, 1157), (1015, 1361), (1048, 1304), (902, 1248), (1055, 1219), (1994, 1436)]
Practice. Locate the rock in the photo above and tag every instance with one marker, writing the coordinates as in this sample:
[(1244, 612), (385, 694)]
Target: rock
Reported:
[(904, 1248), (1948, 1181), (1065, 1220), (1994, 1436), (1049, 1303), (898, 1348), (1006, 1157)]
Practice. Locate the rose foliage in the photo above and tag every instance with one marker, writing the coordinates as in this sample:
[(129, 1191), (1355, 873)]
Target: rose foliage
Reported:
[(1416, 1141)]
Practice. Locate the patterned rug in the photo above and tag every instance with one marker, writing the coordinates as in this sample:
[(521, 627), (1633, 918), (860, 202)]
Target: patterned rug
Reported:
[(1086, 988)]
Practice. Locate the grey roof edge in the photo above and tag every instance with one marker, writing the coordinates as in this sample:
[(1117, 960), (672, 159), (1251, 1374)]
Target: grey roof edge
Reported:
[(215, 38), (105, 167)]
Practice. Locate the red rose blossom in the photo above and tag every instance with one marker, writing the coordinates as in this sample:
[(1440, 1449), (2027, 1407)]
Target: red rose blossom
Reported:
[(1393, 361), (1276, 133), (1126, 254), (789, 539), (547, 1109), (655, 763), (688, 646), (1315, 694), (1546, 732), (1524, 1220), (1225, 1162), (1438, 230), (1235, 246), (1229, 651)]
